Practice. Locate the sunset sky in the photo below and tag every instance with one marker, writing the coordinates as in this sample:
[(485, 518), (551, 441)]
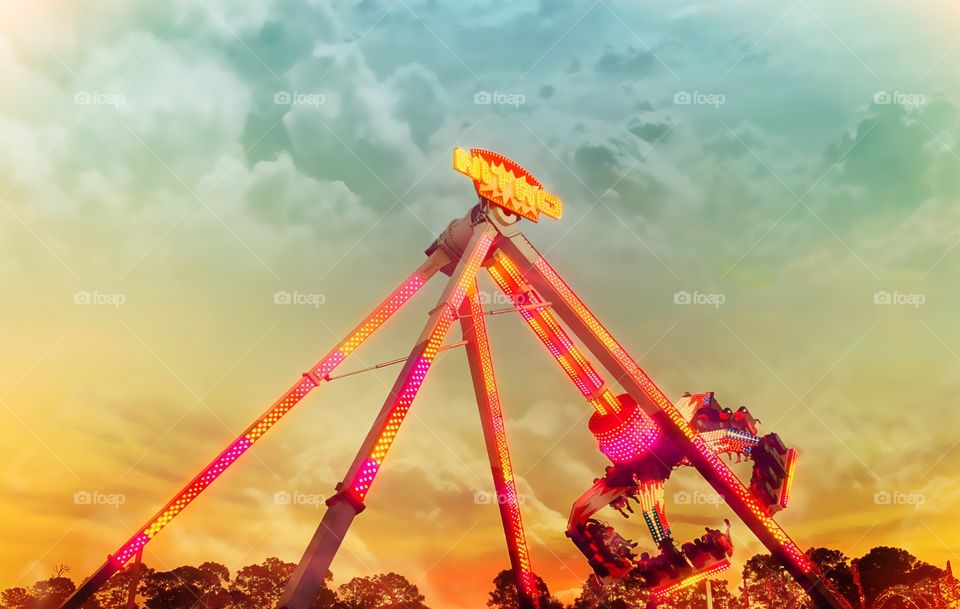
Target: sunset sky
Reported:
[(157, 190)]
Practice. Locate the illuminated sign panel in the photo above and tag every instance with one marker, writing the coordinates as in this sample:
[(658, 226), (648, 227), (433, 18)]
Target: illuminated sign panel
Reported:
[(506, 184)]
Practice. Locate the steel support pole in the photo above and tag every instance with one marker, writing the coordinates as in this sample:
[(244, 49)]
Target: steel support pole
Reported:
[(344, 506), (480, 360), (310, 379)]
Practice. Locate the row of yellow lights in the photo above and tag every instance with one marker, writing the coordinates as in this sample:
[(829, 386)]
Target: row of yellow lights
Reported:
[(398, 412), (693, 579), (650, 495), (506, 274), (518, 539), (276, 412), (788, 483), (504, 262)]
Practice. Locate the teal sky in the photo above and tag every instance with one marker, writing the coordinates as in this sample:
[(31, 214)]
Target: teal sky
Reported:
[(152, 161)]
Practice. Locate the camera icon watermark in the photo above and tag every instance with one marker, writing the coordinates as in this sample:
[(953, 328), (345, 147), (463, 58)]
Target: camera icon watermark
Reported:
[(899, 98), (499, 98), (490, 498), (315, 500), (97, 498), (699, 298), (110, 299), (699, 98), (697, 498), (283, 297), (99, 98), (914, 300), (897, 498), (299, 98)]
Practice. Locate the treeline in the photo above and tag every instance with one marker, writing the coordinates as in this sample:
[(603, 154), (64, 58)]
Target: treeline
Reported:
[(884, 578), (210, 586)]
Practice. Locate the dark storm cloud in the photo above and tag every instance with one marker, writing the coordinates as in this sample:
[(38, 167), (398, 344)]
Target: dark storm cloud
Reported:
[(649, 131), (420, 105), (631, 61), (896, 151)]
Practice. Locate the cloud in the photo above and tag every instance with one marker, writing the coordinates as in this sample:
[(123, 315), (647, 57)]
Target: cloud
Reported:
[(420, 103), (631, 61), (651, 132)]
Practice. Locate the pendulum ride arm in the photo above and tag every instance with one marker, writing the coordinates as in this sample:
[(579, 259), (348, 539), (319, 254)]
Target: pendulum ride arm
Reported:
[(578, 368), (495, 434), (642, 389), (310, 379), (553, 337), (343, 507)]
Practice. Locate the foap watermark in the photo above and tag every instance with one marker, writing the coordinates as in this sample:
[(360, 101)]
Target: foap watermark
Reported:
[(489, 498), (283, 297), (899, 498), (99, 98), (914, 300), (297, 498), (899, 98), (501, 299), (98, 498), (299, 98), (697, 498), (699, 98), (110, 299), (699, 298), (499, 98)]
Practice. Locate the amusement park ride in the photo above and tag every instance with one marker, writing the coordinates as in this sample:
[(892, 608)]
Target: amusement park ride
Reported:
[(643, 433)]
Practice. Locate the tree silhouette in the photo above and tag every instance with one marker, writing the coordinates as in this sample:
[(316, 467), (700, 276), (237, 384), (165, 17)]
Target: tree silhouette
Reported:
[(695, 597), (836, 567), (626, 593), (113, 594), (884, 567), (260, 586), (767, 585), (186, 587), (504, 594), (51, 593), (16, 598), (326, 598), (602, 597), (384, 591)]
